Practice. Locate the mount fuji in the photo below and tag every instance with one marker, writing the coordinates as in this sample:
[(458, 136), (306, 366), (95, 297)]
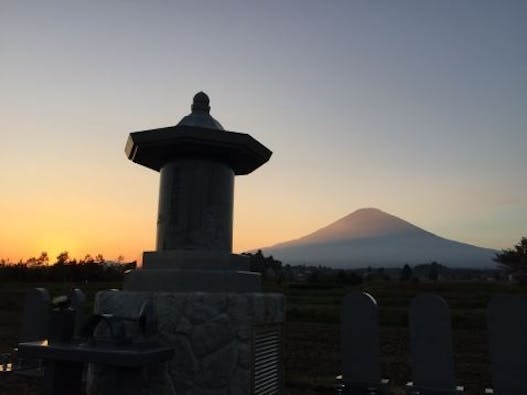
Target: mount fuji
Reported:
[(371, 237)]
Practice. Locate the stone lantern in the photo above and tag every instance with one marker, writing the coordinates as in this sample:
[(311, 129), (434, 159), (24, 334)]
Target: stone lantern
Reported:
[(226, 333), (197, 160)]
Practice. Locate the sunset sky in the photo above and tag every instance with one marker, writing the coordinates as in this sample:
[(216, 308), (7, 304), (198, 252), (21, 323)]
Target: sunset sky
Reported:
[(418, 108)]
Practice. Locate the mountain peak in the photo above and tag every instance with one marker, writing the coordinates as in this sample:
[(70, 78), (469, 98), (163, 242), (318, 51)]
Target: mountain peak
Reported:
[(362, 223), (369, 213), (369, 236), (367, 210)]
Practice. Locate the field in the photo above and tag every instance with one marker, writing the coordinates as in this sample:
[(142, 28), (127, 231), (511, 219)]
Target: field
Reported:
[(312, 333)]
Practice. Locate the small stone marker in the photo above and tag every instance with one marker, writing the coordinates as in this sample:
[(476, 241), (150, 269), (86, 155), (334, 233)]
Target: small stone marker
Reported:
[(360, 340), (35, 318), (432, 359), (507, 331)]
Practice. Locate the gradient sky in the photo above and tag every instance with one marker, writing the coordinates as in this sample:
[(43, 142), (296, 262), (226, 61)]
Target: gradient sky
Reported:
[(418, 108)]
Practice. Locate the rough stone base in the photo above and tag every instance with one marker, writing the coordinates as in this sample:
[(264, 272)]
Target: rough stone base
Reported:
[(212, 335)]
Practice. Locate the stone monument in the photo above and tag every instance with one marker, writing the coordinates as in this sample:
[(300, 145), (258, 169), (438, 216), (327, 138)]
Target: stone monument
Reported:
[(197, 160), (227, 335)]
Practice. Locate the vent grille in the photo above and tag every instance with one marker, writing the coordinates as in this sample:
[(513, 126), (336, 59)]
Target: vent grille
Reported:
[(267, 359)]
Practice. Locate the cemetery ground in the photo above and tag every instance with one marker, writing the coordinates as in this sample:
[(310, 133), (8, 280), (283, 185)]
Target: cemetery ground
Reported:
[(312, 332)]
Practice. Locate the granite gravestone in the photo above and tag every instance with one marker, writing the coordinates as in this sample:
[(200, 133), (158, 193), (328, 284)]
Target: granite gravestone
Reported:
[(507, 326), (360, 341), (432, 357), (35, 317), (35, 327)]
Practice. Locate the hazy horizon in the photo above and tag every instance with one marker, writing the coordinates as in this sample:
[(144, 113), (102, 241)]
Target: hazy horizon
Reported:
[(367, 229), (416, 108)]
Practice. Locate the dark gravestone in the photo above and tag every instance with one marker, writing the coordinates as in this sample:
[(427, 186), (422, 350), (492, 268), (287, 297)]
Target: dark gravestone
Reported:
[(35, 318), (360, 342), (77, 303), (34, 327), (432, 358), (507, 331)]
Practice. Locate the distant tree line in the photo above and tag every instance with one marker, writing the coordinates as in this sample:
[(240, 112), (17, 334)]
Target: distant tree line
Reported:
[(272, 269), (36, 269), (330, 276), (268, 267), (434, 271), (260, 263)]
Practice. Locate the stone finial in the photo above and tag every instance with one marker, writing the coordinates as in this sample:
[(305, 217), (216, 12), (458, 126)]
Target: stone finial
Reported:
[(201, 102)]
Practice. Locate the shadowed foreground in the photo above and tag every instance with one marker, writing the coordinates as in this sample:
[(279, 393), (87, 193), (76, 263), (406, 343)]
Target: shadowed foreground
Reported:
[(312, 332)]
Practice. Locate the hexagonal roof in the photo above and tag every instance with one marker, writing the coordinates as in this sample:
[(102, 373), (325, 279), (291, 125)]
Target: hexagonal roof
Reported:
[(197, 135)]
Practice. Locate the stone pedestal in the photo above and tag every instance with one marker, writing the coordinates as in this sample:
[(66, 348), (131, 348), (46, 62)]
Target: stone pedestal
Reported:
[(194, 260), (225, 343), (177, 280), (189, 270)]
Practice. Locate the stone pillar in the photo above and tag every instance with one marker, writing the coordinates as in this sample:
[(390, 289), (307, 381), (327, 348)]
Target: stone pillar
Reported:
[(195, 206)]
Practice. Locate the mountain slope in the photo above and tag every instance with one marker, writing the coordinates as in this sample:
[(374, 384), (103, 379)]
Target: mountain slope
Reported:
[(371, 237)]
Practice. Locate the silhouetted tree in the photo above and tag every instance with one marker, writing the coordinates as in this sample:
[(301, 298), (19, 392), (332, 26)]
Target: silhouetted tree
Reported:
[(406, 273), (514, 259), (31, 261), (433, 273), (43, 259), (261, 264), (87, 259), (62, 258)]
